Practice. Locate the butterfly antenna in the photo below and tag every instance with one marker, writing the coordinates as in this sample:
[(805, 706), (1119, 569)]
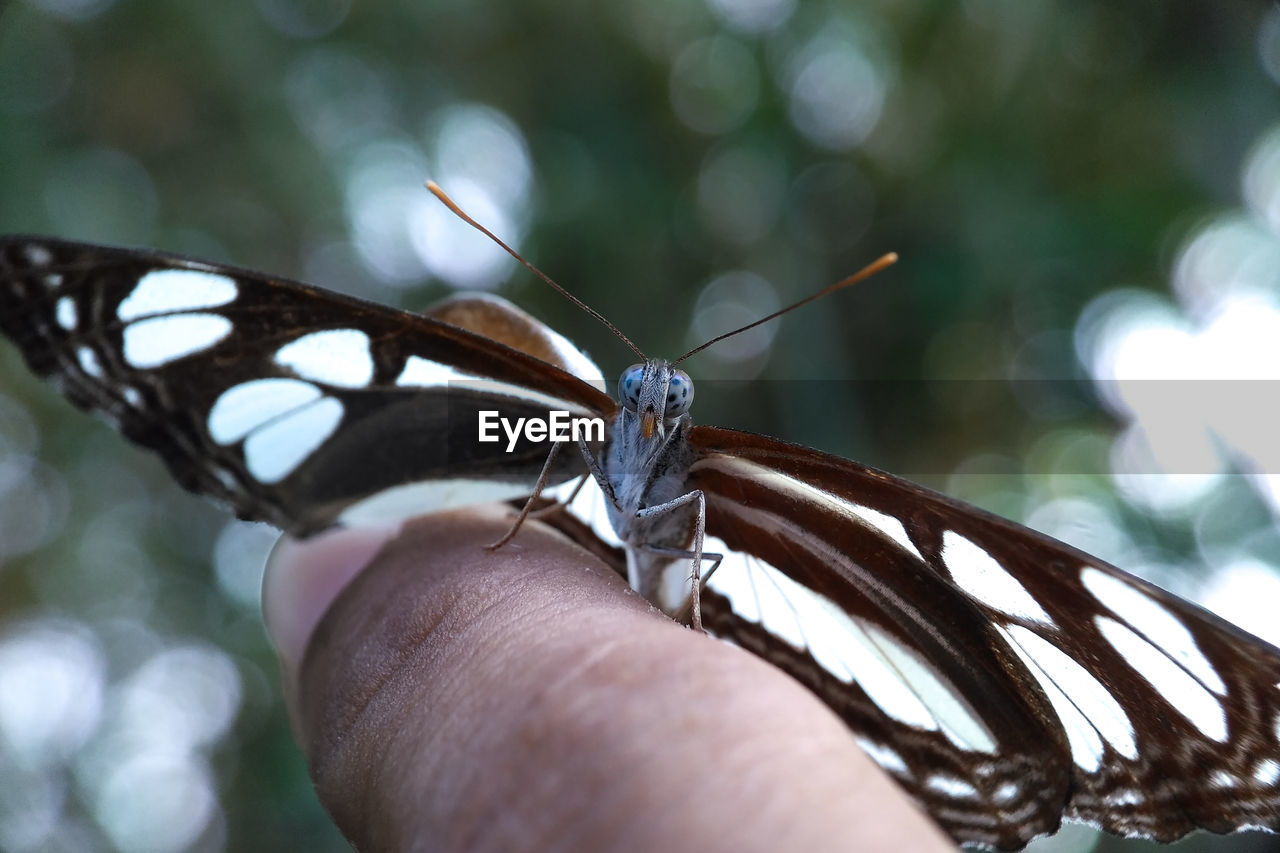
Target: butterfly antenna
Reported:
[(448, 202), (866, 272)]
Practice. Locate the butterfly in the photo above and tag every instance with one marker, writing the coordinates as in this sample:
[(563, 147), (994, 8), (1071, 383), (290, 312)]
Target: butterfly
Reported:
[(1004, 679)]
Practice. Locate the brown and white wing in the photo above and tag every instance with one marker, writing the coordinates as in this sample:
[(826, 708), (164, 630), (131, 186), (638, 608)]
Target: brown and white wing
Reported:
[(1005, 679), (297, 406)]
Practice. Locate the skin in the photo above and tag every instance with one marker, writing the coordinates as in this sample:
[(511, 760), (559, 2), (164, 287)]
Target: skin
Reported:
[(448, 698)]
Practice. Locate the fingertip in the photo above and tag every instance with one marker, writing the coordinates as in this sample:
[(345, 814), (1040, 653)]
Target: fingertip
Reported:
[(304, 576)]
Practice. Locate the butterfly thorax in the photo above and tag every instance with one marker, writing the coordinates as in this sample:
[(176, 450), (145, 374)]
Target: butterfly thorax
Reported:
[(647, 464)]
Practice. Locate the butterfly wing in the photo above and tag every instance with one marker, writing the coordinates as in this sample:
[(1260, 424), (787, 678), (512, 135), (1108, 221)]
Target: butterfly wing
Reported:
[(297, 406), (1004, 678)]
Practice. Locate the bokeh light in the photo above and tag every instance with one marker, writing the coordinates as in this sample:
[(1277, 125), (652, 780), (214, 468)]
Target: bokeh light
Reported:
[(156, 803), (837, 91), (146, 774), (382, 195), (1227, 258), (715, 85), (729, 301), (1262, 183), (1086, 525), (337, 98), (454, 251), (480, 144), (52, 681), (239, 559), (752, 17), (1244, 591)]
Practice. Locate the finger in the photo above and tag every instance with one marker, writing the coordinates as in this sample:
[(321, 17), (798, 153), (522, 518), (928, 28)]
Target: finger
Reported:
[(304, 577), (457, 699)]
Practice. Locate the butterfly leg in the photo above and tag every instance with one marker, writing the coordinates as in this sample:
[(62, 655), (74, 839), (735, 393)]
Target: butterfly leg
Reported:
[(699, 530), (684, 553), (559, 505), (593, 466), (528, 504)]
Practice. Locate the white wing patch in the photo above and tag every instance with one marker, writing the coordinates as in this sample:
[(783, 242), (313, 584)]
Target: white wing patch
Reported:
[(412, 499), (66, 313), (575, 360), (423, 373), (983, 579), (886, 757), (902, 684), (1156, 623), (958, 722), (38, 255), (675, 584), (1125, 797), (1005, 792), (159, 340), (282, 421), (1266, 772), (243, 408), (170, 291), (89, 362), (1188, 696), (274, 451), (885, 525), (338, 357), (951, 786), (1088, 711), (1082, 737), (1223, 780)]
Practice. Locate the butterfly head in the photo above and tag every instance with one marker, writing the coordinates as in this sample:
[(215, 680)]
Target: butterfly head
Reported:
[(657, 392)]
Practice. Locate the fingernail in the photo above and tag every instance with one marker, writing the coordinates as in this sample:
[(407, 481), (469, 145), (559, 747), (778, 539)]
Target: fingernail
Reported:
[(303, 577)]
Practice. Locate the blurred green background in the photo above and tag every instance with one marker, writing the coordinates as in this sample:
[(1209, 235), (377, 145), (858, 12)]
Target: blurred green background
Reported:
[(1083, 194)]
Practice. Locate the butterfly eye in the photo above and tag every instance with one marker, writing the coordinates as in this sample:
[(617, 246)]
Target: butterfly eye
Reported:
[(679, 394), (629, 386)]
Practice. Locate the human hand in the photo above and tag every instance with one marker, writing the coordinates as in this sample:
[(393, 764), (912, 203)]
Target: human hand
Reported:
[(452, 698)]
